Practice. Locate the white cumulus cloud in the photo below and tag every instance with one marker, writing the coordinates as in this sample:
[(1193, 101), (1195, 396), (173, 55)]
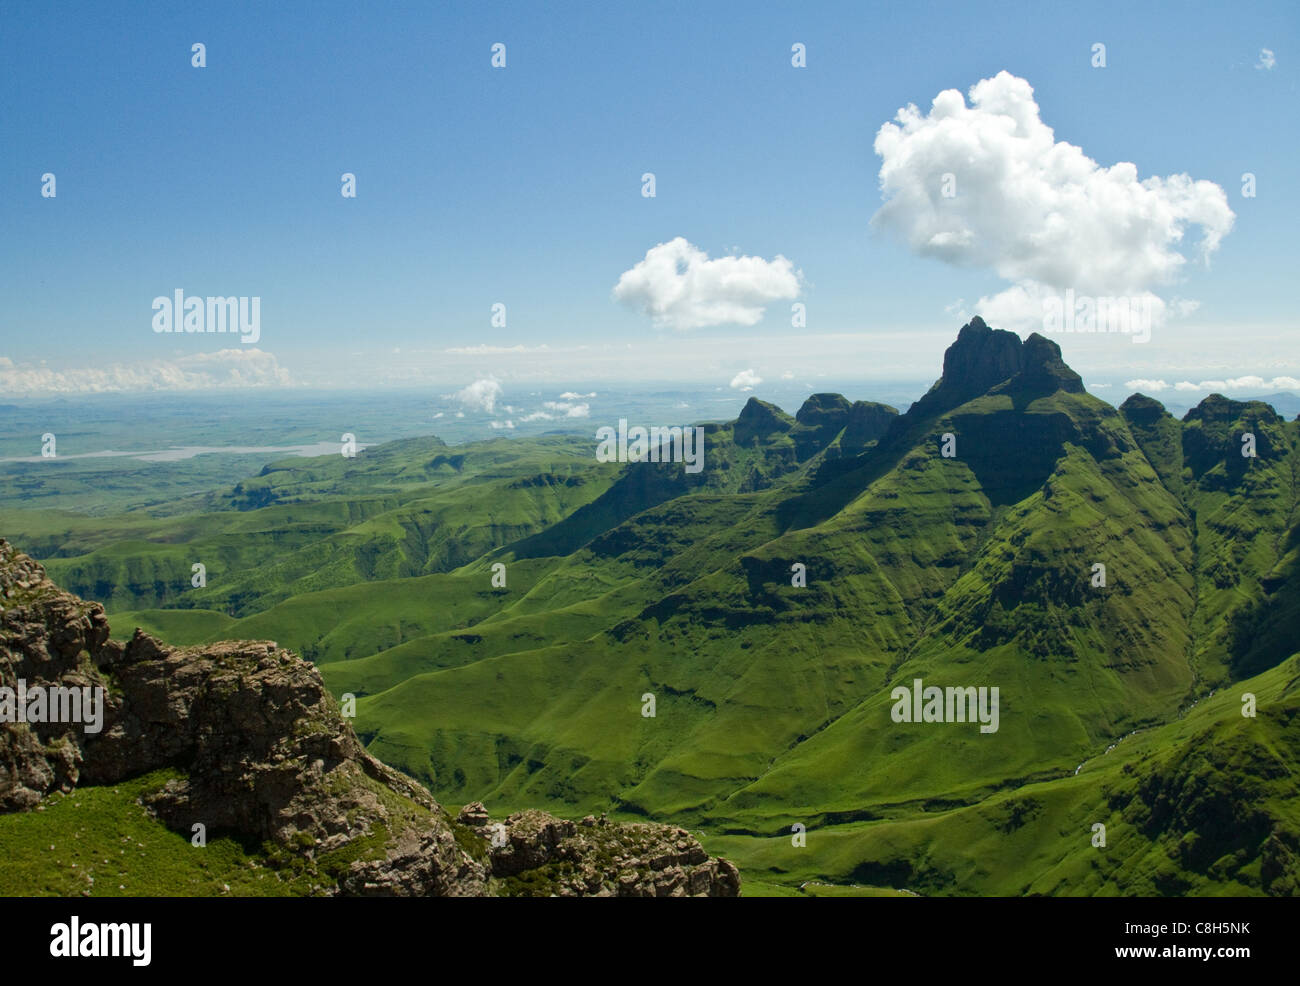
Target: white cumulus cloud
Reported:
[(559, 409), (1036, 211), (1266, 59), (1151, 385), (681, 288), (568, 409), (745, 380), (1259, 385), (481, 395)]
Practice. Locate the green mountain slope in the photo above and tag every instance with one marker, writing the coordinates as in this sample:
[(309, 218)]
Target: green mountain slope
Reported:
[(1103, 569)]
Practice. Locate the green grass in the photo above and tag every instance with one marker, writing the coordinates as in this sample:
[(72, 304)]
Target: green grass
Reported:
[(773, 701), (181, 627), (101, 842)]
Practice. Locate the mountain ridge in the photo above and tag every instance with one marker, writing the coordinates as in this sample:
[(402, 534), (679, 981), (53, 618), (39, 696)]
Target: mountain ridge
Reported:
[(1106, 567)]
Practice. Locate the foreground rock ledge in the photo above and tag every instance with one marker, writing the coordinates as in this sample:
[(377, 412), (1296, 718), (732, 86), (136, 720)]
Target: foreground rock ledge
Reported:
[(265, 753)]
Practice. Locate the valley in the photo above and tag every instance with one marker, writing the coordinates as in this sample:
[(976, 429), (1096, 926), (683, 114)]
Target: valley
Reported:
[(1113, 700)]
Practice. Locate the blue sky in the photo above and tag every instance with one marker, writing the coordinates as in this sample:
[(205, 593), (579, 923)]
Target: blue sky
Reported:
[(522, 185)]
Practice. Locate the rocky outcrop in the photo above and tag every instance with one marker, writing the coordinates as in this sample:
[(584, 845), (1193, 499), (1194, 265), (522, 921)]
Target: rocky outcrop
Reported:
[(262, 750), (1042, 371), (536, 854), (47, 638), (984, 359), (979, 360)]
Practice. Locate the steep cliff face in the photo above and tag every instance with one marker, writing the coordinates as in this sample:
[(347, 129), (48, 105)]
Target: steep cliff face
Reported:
[(264, 752)]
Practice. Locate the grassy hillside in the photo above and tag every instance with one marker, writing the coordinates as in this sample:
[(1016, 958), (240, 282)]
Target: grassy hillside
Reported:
[(1203, 805), (101, 842), (1106, 570)]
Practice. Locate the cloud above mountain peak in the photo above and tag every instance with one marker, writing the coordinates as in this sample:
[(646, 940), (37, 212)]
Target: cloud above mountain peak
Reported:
[(988, 185)]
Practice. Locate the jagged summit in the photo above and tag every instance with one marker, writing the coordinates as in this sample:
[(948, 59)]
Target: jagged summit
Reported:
[(980, 358), (1043, 370), (985, 359)]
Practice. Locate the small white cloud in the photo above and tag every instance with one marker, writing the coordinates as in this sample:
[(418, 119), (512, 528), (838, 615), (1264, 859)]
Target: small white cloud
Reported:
[(537, 416), (568, 409), (1255, 384), (481, 395), (745, 380), (438, 415), (1266, 59), (1155, 386), (1098, 386), (681, 288), (500, 425), (788, 375), (569, 395)]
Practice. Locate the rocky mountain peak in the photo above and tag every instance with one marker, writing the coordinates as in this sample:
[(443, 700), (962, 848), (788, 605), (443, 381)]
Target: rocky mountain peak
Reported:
[(984, 359), (980, 358), (1043, 370)]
